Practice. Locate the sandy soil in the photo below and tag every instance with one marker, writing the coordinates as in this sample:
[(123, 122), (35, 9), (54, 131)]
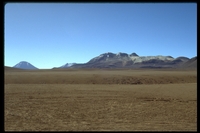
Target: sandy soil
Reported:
[(101, 100)]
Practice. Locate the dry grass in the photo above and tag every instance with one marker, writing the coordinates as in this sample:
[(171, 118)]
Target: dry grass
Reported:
[(84, 106), (100, 77)]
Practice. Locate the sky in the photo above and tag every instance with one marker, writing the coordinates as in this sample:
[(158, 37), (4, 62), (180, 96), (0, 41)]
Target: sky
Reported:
[(50, 35)]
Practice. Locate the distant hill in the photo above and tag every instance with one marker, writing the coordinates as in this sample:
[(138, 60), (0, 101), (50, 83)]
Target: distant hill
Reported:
[(67, 65), (24, 65)]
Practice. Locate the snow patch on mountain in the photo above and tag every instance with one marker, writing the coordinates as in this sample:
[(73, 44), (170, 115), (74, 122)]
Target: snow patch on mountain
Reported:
[(146, 58)]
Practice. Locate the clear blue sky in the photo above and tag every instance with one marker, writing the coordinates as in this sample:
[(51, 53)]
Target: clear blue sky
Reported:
[(50, 35)]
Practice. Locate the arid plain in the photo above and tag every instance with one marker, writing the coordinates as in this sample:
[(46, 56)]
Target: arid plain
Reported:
[(100, 100)]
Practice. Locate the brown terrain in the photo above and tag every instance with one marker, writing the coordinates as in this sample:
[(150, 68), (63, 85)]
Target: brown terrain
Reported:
[(100, 100)]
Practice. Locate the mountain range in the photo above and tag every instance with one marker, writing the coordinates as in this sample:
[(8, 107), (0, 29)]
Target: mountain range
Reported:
[(124, 60)]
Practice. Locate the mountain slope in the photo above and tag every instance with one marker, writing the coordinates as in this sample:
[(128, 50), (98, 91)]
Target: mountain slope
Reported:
[(191, 63), (24, 65)]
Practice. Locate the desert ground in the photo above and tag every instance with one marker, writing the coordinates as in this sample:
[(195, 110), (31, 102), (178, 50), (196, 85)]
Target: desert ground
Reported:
[(100, 100)]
